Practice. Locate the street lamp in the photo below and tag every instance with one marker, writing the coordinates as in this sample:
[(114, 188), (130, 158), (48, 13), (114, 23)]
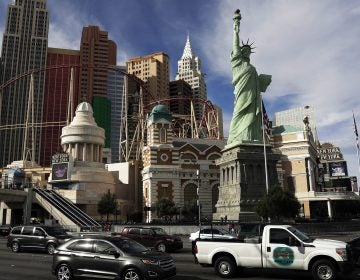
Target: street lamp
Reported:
[(198, 194)]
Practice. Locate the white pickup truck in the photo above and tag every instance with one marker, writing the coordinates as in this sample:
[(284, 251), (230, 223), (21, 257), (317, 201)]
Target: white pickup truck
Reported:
[(274, 246)]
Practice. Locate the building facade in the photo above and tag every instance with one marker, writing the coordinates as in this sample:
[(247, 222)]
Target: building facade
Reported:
[(178, 168), (24, 48), (116, 96), (300, 164), (189, 70), (97, 55), (153, 69), (56, 98)]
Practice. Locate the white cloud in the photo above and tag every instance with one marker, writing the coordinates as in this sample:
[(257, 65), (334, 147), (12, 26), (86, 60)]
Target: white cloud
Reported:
[(310, 48)]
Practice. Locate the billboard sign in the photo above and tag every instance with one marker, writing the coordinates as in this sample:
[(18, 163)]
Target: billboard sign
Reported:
[(60, 171), (338, 169)]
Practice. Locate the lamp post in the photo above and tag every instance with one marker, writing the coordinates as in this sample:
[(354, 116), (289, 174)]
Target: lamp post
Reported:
[(198, 194)]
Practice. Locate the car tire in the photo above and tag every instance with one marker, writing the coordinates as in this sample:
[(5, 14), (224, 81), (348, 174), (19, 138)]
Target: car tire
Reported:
[(225, 267), (161, 247), (323, 270), (63, 272), (50, 248), (131, 274), (15, 247)]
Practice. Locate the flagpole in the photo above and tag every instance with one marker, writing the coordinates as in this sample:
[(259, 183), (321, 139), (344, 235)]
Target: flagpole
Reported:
[(264, 145), (357, 145)]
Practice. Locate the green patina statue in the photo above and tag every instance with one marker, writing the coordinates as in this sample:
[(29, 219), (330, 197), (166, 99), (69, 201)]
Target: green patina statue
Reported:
[(246, 122)]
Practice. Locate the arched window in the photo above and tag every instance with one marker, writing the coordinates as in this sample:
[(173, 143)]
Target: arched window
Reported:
[(162, 135), (213, 157)]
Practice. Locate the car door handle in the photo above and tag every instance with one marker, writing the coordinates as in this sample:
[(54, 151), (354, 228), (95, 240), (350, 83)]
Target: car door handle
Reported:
[(268, 249)]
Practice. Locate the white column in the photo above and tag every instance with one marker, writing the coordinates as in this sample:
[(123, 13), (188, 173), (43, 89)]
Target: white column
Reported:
[(310, 175), (329, 209), (84, 152), (91, 152), (76, 151)]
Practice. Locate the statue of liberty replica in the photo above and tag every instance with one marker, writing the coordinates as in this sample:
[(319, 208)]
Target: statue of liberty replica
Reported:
[(247, 163)]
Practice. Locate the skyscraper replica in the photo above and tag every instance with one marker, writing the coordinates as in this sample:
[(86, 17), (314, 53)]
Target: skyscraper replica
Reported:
[(116, 96), (56, 97), (24, 49), (189, 70), (97, 53), (153, 69)]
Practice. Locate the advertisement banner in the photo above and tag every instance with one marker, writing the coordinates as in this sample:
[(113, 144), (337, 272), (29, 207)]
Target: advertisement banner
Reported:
[(59, 171), (338, 169)]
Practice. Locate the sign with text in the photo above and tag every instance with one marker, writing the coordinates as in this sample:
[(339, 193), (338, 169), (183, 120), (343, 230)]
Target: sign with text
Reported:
[(63, 157), (333, 153)]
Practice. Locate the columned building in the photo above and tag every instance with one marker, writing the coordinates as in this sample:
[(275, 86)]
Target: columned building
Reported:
[(189, 70), (24, 48)]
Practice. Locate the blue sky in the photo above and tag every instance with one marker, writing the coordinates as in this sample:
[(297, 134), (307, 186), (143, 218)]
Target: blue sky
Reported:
[(311, 49)]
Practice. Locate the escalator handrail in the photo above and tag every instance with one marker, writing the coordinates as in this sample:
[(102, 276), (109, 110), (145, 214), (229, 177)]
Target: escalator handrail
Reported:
[(90, 220), (60, 207)]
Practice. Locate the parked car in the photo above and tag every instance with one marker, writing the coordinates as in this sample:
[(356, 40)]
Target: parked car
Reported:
[(155, 237), (5, 230), (218, 233), (110, 257), (36, 238), (355, 250)]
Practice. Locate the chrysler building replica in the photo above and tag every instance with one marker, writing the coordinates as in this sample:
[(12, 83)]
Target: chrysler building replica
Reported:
[(189, 70)]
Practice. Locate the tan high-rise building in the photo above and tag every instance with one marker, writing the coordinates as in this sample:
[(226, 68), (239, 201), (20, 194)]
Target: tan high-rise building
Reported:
[(153, 69), (97, 52)]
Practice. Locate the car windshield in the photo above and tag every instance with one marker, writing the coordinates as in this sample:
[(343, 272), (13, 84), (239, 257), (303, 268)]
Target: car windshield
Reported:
[(159, 231), (129, 246), (55, 231), (302, 236)]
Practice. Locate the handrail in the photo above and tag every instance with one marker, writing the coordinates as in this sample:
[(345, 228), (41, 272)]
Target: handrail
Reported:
[(65, 211), (90, 220)]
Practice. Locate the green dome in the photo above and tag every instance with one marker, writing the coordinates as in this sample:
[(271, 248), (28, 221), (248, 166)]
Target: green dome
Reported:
[(160, 112)]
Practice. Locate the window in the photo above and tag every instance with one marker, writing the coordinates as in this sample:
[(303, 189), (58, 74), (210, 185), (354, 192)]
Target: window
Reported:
[(103, 247), (146, 231), (16, 230), (281, 236), (81, 246), (134, 231), (39, 232), (27, 230), (162, 135)]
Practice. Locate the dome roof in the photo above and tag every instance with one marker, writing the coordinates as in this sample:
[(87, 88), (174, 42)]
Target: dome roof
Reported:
[(84, 107), (160, 113)]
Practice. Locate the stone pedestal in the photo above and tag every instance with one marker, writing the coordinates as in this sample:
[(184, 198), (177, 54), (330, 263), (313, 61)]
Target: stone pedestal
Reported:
[(242, 179)]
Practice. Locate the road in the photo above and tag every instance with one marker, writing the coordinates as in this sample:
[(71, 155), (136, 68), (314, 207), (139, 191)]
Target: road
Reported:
[(37, 266)]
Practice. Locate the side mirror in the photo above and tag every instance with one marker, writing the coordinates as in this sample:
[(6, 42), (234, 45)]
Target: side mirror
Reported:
[(116, 254)]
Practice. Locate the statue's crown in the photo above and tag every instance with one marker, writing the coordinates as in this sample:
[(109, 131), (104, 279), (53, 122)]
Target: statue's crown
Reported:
[(247, 45)]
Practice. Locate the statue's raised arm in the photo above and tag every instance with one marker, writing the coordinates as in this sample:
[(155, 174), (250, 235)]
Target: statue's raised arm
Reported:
[(236, 40)]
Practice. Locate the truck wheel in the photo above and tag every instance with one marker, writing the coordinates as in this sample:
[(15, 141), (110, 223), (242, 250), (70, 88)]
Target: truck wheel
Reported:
[(323, 270), (161, 247), (225, 267)]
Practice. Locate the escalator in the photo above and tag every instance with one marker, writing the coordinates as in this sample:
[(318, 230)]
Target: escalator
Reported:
[(66, 212)]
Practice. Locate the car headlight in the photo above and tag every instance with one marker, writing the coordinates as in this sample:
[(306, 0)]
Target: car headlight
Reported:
[(342, 253), (148, 261)]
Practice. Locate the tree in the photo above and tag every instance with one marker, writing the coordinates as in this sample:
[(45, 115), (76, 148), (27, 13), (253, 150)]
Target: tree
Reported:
[(165, 207), (278, 204), (190, 211), (107, 204)]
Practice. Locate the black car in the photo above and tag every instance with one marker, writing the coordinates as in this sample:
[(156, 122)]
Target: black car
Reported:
[(155, 237), (5, 230), (354, 247), (36, 238), (110, 257)]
